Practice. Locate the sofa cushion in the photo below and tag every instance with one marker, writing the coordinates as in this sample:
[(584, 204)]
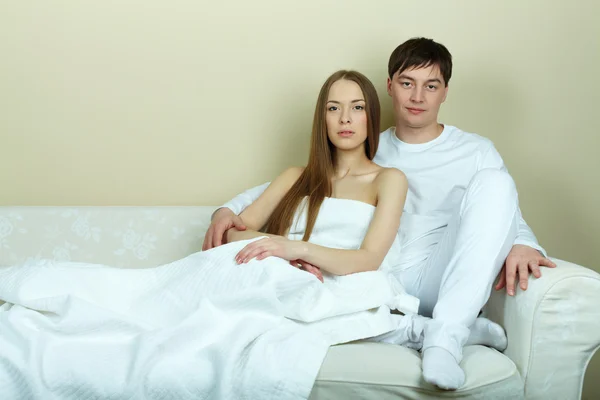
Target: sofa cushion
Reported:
[(366, 370)]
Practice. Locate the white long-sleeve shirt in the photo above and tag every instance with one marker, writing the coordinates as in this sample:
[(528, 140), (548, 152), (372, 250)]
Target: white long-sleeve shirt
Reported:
[(438, 173)]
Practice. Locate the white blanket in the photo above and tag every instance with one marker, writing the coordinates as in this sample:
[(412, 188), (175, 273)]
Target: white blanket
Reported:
[(198, 328)]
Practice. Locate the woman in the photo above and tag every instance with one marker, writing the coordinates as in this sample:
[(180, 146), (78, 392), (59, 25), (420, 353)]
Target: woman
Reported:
[(209, 326), (340, 171)]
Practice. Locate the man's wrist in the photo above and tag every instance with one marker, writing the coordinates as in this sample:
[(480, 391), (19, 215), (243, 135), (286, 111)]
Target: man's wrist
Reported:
[(219, 211)]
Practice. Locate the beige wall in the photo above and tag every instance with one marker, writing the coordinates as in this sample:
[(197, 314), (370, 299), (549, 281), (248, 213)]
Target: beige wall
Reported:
[(190, 102)]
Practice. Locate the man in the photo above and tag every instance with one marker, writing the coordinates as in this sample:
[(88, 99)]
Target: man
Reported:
[(461, 221)]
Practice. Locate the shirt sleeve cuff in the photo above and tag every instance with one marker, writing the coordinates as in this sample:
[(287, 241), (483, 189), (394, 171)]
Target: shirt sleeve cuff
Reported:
[(533, 245)]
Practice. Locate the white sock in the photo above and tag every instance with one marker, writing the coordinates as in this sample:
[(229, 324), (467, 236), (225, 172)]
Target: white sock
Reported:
[(487, 333), (409, 332), (441, 369)]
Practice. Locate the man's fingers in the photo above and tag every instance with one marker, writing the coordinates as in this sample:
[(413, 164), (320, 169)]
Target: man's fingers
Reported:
[(523, 275), (535, 269), (547, 263), (218, 232), (239, 224), (211, 242), (207, 245), (502, 281), (511, 271)]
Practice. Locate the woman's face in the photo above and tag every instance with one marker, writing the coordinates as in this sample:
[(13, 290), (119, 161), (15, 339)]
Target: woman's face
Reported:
[(345, 116)]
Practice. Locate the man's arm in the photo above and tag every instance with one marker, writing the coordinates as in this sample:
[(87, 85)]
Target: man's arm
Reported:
[(243, 200), (525, 236), (226, 217)]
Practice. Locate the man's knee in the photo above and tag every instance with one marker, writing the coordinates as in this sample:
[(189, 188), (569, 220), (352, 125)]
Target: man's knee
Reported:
[(494, 182)]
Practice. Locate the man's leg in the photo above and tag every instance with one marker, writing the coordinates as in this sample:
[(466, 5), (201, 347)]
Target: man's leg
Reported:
[(458, 278), (409, 333)]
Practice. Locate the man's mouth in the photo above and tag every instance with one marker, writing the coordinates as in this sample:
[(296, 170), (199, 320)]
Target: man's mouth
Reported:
[(415, 111)]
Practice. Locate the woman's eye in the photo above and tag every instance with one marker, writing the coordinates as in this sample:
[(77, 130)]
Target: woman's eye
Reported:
[(359, 107), (332, 108)]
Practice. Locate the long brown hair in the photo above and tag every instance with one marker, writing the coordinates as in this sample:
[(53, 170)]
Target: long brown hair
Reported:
[(315, 180)]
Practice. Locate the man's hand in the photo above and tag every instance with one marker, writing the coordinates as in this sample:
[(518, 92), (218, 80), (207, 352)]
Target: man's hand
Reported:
[(521, 260), (303, 265), (223, 220)]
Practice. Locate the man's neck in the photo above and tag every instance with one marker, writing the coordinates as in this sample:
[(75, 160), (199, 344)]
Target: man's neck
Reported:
[(418, 135)]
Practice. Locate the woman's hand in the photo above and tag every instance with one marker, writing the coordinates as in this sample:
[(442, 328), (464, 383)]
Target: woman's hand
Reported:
[(276, 246)]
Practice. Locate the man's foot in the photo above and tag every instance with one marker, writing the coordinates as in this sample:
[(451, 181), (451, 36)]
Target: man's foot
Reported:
[(487, 333), (441, 369)]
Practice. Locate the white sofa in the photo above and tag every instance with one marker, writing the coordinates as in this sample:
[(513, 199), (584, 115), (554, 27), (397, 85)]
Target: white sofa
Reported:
[(553, 328)]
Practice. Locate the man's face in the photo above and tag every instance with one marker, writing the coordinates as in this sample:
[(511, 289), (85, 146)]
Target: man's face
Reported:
[(417, 95)]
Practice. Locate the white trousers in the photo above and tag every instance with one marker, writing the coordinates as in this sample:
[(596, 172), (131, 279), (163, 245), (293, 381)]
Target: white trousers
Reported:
[(456, 280)]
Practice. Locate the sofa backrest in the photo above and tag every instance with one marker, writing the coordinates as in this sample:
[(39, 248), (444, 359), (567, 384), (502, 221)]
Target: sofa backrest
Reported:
[(132, 237)]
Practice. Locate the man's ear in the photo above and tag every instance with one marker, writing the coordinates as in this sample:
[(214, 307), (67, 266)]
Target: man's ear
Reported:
[(445, 93), (389, 86)]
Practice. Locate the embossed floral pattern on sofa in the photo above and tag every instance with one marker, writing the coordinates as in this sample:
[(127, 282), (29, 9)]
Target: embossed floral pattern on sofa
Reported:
[(132, 237)]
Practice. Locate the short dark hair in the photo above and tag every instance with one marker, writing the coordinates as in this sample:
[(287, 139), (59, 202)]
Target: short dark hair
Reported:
[(421, 53)]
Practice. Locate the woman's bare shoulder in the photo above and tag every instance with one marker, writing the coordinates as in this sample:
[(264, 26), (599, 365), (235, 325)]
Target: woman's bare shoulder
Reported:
[(391, 175)]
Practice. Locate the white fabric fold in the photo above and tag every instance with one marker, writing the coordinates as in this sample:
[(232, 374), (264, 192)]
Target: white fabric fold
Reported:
[(201, 327)]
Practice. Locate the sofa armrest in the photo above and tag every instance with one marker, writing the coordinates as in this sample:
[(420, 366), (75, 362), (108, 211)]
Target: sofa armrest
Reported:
[(553, 329)]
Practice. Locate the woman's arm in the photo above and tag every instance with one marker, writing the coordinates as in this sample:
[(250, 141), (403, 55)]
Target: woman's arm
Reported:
[(255, 216), (233, 235), (391, 195), (392, 187)]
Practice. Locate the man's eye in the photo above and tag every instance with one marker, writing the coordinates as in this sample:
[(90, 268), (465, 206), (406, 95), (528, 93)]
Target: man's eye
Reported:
[(431, 87), (405, 84)]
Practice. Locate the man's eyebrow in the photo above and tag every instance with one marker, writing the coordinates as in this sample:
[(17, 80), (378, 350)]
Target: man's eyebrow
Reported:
[(337, 102), (402, 76)]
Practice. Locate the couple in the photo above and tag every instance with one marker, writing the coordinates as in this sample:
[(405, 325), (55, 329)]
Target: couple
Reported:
[(461, 223), (237, 321)]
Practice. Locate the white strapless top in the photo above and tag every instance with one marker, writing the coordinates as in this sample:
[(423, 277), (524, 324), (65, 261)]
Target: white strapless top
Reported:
[(341, 224)]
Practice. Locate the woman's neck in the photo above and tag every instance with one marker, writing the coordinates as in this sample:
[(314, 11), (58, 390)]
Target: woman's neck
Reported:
[(351, 162)]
